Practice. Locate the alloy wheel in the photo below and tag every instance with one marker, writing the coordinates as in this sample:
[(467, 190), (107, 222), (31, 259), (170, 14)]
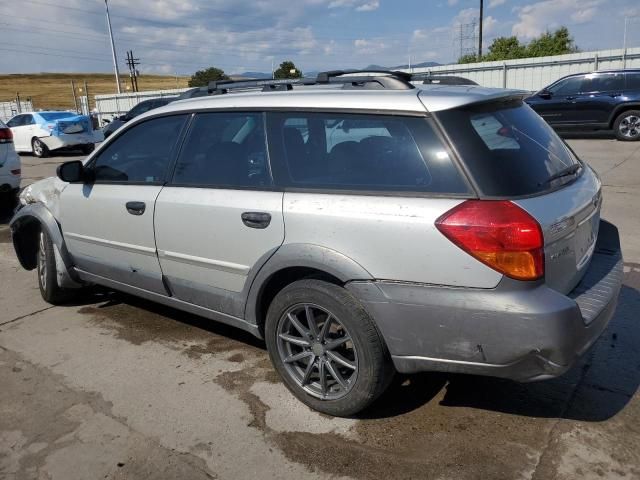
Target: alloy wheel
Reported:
[(37, 147), (630, 126), (42, 262), (317, 351)]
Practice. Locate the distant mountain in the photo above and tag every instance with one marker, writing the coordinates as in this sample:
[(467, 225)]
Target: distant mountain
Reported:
[(251, 75), (418, 65)]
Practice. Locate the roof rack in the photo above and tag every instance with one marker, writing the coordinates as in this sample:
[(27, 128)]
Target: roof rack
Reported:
[(349, 79), (429, 79)]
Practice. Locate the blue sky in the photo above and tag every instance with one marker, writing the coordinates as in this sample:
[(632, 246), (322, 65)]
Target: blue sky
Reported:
[(181, 36)]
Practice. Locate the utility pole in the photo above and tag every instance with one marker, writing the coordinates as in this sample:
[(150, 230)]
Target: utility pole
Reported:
[(480, 30), (132, 63), (86, 93), (113, 47), (75, 99)]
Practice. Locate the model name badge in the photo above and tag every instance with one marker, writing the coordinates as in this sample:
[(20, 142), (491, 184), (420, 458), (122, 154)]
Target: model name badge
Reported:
[(560, 226), (561, 253)]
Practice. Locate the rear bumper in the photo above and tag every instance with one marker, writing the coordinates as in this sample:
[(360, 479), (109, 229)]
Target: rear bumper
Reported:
[(519, 330), (55, 142), (9, 182)]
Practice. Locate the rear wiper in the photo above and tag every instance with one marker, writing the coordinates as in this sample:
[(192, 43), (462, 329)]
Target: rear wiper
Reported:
[(565, 172)]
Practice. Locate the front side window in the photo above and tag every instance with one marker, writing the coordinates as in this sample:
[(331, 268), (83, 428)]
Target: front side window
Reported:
[(568, 86), (141, 154), (224, 149), (343, 151)]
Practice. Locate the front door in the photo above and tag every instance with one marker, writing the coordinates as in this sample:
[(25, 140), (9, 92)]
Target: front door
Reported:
[(559, 106), (108, 223), (219, 217)]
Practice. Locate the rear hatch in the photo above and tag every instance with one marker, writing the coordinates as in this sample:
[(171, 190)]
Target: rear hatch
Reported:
[(511, 153)]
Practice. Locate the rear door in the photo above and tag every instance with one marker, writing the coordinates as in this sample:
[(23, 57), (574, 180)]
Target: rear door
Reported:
[(599, 95), (108, 224), (220, 216)]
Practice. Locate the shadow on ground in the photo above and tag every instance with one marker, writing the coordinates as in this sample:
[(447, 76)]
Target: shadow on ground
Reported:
[(595, 390), (592, 135)]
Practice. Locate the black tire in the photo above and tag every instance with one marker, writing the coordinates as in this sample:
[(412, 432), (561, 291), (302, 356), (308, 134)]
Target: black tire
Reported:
[(627, 126), (88, 148), (365, 348), (47, 273), (38, 148)]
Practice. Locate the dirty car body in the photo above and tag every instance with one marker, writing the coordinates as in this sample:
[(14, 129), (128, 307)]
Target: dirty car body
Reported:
[(438, 228)]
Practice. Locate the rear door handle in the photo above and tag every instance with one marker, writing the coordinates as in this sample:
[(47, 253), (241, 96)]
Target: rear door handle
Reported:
[(136, 208), (256, 219)]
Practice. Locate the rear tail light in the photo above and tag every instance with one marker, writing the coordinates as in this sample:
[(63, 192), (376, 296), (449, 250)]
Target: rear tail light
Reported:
[(17, 171), (6, 136), (498, 233)]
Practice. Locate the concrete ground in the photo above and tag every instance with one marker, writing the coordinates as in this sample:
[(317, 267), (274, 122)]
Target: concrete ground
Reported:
[(115, 387)]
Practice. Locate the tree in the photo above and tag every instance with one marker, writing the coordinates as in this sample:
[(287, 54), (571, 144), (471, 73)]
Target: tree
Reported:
[(285, 69), (470, 58), (558, 42), (202, 77), (504, 48)]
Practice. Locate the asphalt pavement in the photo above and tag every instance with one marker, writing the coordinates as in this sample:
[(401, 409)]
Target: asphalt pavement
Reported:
[(116, 387)]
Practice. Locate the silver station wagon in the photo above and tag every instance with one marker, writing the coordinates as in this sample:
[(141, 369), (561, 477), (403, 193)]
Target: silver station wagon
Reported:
[(362, 223)]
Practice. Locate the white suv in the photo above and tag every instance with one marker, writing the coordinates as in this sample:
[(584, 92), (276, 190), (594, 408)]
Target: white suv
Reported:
[(10, 166), (359, 223)]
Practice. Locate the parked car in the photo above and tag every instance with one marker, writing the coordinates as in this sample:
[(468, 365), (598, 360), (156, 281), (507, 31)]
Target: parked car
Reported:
[(139, 109), (41, 133), (593, 101), (428, 228), (10, 167)]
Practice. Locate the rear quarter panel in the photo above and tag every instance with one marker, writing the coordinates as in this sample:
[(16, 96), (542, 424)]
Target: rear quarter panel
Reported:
[(393, 238)]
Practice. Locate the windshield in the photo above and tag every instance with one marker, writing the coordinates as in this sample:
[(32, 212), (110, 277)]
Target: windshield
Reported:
[(509, 149), (50, 116)]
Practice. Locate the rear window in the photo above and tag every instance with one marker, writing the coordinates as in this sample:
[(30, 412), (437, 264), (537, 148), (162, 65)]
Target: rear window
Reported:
[(509, 149), (343, 151), (51, 116)]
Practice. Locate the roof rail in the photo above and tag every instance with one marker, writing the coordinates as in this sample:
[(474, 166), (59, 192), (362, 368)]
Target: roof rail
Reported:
[(349, 79), (429, 79)]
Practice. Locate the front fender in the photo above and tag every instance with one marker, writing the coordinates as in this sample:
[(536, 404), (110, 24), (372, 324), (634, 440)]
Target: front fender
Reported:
[(25, 226)]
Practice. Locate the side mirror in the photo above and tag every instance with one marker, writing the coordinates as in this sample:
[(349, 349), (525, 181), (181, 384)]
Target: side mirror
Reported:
[(546, 94), (71, 171)]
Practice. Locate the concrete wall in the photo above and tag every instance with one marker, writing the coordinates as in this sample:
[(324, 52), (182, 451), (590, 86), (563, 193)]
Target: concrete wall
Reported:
[(535, 73)]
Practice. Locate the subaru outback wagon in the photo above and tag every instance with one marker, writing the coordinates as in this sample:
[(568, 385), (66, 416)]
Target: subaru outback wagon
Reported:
[(360, 223)]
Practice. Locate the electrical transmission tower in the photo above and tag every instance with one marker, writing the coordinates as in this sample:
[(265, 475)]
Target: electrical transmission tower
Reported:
[(468, 36), (132, 63)]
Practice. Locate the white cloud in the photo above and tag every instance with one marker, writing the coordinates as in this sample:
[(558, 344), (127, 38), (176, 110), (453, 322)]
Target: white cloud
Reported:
[(539, 17), (357, 5), (496, 3), (369, 46), (452, 2)]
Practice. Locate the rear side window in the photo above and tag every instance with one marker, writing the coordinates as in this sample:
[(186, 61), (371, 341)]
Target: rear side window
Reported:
[(603, 82), (224, 149), (509, 149), (633, 80), (342, 151)]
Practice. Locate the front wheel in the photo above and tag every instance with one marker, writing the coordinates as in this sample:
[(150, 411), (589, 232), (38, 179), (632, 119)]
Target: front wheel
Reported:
[(48, 274), (326, 348), (627, 126), (39, 149)]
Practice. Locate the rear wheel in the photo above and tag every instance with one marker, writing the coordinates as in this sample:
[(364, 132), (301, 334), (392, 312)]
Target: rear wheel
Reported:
[(326, 348), (47, 272), (627, 126), (39, 149)]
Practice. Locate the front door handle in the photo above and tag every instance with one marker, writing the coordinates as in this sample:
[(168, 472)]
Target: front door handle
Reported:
[(256, 219), (136, 208)]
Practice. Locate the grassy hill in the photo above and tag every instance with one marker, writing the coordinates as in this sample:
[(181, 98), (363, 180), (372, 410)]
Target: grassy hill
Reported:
[(53, 90)]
